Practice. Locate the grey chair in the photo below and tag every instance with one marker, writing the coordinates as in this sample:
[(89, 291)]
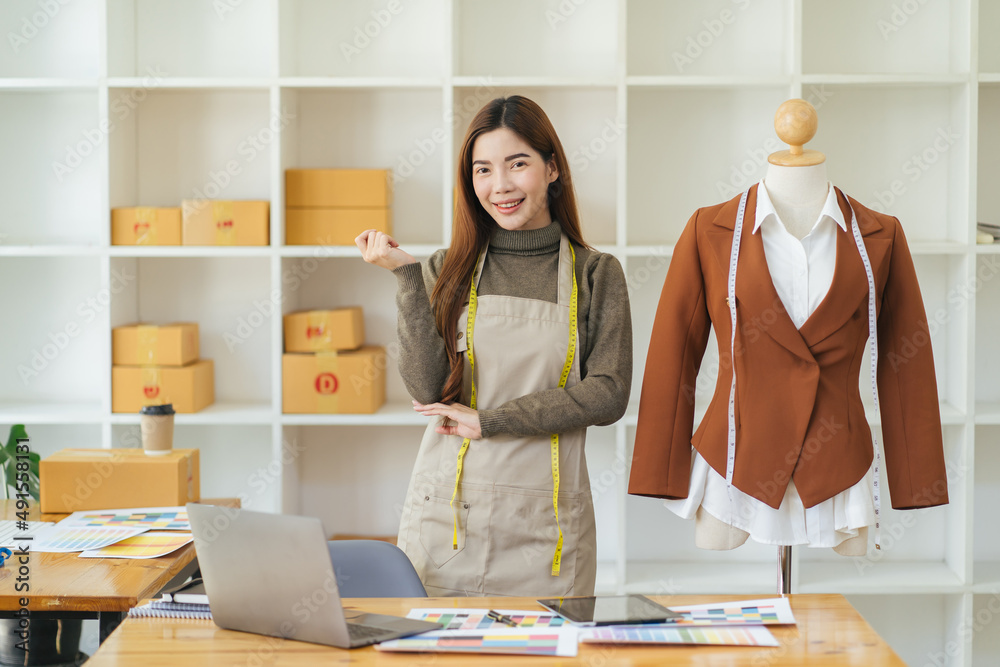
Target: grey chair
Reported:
[(373, 569)]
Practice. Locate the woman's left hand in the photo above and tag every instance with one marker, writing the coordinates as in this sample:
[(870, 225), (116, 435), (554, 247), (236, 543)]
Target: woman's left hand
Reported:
[(465, 420)]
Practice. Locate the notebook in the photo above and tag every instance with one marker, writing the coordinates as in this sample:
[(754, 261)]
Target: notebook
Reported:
[(271, 574), (164, 609)]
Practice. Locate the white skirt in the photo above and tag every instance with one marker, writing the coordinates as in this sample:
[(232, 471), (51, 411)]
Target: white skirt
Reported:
[(824, 525)]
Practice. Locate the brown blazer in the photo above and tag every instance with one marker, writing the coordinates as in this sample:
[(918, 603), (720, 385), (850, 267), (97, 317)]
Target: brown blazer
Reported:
[(799, 413)]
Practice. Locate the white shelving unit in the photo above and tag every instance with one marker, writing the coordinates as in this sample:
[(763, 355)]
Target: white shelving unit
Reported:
[(663, 106)]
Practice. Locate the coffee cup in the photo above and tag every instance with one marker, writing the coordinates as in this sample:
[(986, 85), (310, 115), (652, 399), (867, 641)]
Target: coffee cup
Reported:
[(156, 422)]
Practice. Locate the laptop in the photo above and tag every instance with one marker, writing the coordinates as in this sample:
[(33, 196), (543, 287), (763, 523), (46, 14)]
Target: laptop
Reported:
[(271, 574)]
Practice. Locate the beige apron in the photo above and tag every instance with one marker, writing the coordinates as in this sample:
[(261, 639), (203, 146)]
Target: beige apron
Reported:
[(507, 529)]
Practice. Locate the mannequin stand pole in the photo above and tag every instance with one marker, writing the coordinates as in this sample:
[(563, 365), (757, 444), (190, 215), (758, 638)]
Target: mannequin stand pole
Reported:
[(784, 570)]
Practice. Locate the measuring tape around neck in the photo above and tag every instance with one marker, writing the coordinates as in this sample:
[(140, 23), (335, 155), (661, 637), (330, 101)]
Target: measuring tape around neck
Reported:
[(470, 326), (873, 346)]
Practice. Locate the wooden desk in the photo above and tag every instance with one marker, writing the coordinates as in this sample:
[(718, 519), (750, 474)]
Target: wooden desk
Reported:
[(67, 586), (829, 632)]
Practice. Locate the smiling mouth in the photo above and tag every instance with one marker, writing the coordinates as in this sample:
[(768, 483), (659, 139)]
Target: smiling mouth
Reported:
[(508, 207)]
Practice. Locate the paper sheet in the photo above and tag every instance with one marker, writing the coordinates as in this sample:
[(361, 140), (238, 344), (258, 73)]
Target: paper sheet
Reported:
[(147, 518), (476, 619), (67, 539), (147, 545), (770, 611), (658, 634)]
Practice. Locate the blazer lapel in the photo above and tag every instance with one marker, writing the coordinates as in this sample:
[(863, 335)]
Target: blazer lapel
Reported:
[(850, 284), (757, 302)]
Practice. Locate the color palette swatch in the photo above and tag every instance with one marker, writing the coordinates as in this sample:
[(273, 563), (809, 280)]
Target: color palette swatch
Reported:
[(67, 539), (773, 611), (147, 545), (708, 636), (509, 642), (148, 518), (476, 619)]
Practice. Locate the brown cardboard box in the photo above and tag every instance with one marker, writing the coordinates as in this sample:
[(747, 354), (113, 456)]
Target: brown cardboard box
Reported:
[(334, 383), (98, 479), (225, 222), (333, 226), (189, 388), (154, 345), (324, 330), (144, 225), (338, 188)]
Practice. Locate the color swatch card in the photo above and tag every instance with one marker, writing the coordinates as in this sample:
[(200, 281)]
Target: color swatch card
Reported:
[(658, 634), (476, 619), (147, 518), (67, 539), (150, 544), (511, 641), (772, 611)]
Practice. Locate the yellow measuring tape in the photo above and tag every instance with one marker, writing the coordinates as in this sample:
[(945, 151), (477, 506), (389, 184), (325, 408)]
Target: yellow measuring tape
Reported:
[(554, 438)]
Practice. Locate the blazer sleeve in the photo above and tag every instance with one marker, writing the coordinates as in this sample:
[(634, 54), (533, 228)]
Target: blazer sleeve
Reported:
[(661, 459), (908, 398)]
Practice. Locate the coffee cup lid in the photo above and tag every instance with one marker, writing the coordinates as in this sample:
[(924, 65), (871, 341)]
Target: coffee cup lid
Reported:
[(157, 410)]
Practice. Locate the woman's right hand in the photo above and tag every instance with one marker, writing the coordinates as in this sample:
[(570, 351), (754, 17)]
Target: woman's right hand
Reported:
[(379, 249)]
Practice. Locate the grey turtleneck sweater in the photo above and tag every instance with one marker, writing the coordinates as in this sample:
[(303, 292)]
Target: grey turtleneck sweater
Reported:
[(525, 264)]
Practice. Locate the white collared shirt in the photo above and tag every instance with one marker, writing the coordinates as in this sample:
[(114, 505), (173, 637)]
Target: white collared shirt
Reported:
[(802, 273)]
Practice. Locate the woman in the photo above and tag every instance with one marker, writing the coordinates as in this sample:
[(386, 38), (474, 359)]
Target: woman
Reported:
[(511, 379)]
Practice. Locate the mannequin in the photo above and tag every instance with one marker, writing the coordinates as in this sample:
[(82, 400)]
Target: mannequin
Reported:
[(796, 182)]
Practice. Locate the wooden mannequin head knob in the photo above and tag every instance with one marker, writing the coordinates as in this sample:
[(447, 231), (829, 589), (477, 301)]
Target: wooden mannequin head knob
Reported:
[(795, 123)]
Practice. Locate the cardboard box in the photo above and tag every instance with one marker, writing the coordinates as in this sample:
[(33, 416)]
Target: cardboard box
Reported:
[(189, 388), (154, 345), (99, 479), (338, 188), (324, 330), (144, 225), (333, 226), (225, 222), (333, 383)]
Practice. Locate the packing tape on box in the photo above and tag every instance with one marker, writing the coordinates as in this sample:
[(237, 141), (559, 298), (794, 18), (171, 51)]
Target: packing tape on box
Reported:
[(327, 384), (145, 228), (146, 339), (152, 393), (319, 333), (225, 228)]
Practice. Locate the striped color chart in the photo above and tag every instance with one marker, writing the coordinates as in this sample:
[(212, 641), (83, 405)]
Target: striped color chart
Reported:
[(479, 621), (514, 643), (709, 636)]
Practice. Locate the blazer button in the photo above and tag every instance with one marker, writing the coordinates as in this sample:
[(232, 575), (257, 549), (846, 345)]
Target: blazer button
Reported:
[(460, 334)]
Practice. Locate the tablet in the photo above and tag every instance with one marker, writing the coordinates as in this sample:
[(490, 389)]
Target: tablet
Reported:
[(610, 610)]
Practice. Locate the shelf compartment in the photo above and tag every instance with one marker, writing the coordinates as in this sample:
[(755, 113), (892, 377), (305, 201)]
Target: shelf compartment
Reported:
[(171, 145), (989, 48), (354, 478), (554, 38), (52, 191), (233, 302), (986, 286), (899, 38), (390, 414), (402, 130), (918, 171), (986, 498), (591, 134), (678, 38), (673, 149), (373, 38), (922, 629), (988, 195), (235, 460), (189, 38), (57, 356), (51, 39)]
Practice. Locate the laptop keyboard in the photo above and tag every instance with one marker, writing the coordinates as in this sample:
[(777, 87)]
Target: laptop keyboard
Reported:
[(357, 631)]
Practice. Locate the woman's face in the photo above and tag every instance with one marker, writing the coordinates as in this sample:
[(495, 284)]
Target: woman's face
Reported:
[(512, 180)]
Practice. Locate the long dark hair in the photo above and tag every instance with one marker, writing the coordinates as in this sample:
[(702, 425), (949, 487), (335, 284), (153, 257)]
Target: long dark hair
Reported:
[(473, 225)]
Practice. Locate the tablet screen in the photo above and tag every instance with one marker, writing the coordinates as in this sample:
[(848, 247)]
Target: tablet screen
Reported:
[(610, 610)]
